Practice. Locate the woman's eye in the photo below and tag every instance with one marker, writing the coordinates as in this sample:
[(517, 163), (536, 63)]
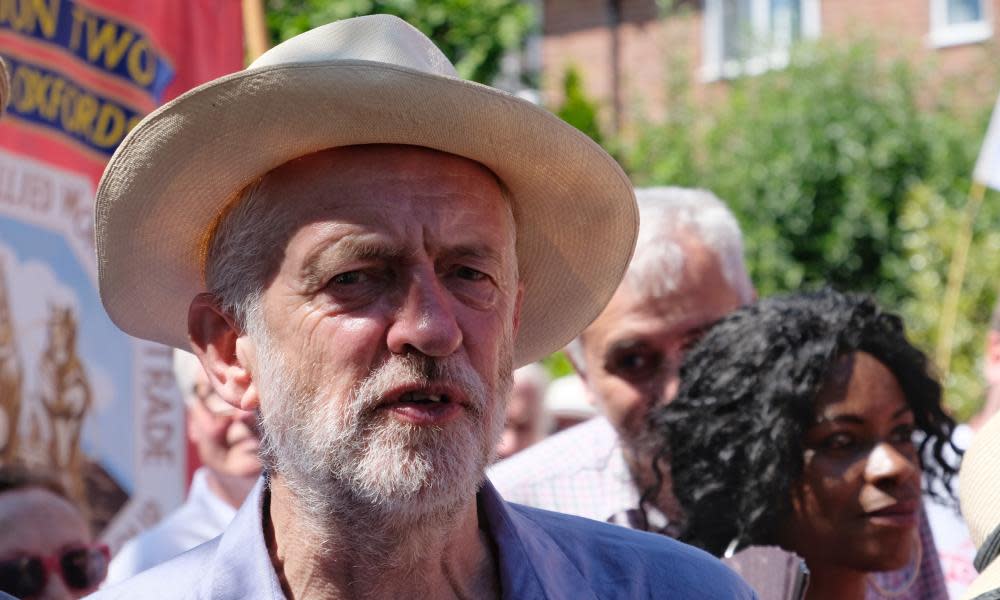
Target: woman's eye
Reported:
[(903, 434), (838, 441)]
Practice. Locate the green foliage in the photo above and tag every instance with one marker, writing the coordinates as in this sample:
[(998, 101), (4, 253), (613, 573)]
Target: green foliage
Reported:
[(842, 169), (929, 222), (577, 109), (473, 34), (558, 365)]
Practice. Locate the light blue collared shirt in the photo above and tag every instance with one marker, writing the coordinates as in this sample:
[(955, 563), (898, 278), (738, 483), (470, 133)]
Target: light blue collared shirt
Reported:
[(540, 555)]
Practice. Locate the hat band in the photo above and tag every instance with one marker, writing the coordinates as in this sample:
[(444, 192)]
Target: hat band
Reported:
[(988, 551)]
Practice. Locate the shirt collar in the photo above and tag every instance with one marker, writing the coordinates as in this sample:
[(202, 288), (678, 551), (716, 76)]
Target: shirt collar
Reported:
[(241, 564), (530, 563), (218, 511)]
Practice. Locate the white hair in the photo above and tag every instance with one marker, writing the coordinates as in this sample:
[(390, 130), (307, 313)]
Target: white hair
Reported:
[(668, 218)]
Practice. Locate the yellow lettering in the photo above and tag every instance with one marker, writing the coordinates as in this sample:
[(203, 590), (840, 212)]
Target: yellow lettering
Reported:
[(133, 122), (141, 71), (46, 14), (79, 15), (7, 11), (110, 126), (24, 16), (50, 108), (81, 114), (62, 104), (19, 85), (106, 41)]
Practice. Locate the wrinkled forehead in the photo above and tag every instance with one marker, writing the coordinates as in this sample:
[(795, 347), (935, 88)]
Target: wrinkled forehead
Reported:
[(376, 176), (391, 186)]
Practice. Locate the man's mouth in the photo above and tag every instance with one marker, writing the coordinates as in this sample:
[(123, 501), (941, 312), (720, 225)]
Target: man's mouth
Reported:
[(424, 398), (434, 405)]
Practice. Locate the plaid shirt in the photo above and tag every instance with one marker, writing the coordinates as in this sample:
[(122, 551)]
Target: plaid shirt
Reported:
[(582, 471)]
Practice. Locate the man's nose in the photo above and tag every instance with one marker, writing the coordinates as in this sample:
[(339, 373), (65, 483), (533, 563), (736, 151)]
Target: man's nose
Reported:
[(425, 321), (886, 462), (665, 384)]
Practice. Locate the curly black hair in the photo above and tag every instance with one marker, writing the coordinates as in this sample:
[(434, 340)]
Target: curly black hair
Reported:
[(733, 436)]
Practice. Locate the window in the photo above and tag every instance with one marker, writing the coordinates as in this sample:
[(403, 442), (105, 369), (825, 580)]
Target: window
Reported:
[(959, 22), (751, 36)]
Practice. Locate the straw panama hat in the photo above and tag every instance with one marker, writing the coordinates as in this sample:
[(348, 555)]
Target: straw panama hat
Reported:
[(366, 80), (979, 494)]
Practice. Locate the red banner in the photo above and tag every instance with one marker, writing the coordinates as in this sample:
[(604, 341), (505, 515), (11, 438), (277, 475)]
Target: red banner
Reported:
[(75, 393)]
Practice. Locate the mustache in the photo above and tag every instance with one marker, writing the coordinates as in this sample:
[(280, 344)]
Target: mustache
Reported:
[(420, 370)]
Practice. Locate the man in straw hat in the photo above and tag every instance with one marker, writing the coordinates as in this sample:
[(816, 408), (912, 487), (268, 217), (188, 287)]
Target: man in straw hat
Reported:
[(362, 246), (979, 490)]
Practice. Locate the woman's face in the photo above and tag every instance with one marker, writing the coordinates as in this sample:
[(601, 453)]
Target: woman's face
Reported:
[(857, 502)]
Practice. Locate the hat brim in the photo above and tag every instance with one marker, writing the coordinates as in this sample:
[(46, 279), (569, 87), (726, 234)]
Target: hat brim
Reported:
[(172, 176), (987, 581)]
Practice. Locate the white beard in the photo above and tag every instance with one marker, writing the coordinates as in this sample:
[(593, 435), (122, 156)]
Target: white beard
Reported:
[(350, 464)]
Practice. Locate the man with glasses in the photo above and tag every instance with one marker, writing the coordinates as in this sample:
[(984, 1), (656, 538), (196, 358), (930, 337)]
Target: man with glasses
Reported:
[(226, 441)]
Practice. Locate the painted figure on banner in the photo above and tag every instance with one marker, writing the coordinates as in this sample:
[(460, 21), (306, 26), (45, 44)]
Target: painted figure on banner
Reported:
[(65, 394), (11, 377), (76, 76)]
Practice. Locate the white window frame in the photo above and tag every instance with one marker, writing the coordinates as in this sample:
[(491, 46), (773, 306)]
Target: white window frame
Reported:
[(715, 67), (943, 34)]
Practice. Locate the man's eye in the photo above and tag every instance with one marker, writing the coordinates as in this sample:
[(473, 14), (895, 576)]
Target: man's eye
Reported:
[(693, 337), (469, 274), (636, 364), (348, 278)]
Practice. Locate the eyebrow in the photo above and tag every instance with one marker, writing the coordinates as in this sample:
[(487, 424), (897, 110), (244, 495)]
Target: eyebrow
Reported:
[(856, 420), (624, 345), (348, 247), (479, 251)]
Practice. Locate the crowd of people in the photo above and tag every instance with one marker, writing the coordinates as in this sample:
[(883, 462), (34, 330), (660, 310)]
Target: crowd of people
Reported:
[(364, 250)]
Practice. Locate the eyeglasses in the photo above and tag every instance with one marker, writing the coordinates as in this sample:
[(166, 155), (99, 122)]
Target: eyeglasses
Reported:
[(81, 568)]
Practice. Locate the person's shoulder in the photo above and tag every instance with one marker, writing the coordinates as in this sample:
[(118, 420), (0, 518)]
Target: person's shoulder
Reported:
[(178, 577), (670, 567), (578, 447), (163, 541)]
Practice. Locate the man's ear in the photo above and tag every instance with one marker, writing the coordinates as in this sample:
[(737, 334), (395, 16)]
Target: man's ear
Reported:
[(224, 351)]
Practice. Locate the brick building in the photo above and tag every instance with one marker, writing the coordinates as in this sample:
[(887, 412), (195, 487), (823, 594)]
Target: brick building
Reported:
[(629, 50)]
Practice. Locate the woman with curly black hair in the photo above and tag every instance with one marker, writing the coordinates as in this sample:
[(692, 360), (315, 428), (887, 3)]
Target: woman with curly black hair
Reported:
[(793, 426)]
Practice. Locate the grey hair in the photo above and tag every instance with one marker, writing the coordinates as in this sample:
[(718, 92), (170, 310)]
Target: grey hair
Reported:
[(241, 253), (666, 216)]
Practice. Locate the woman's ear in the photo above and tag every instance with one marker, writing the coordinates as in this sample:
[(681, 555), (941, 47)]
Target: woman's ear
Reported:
[(224, 351)]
